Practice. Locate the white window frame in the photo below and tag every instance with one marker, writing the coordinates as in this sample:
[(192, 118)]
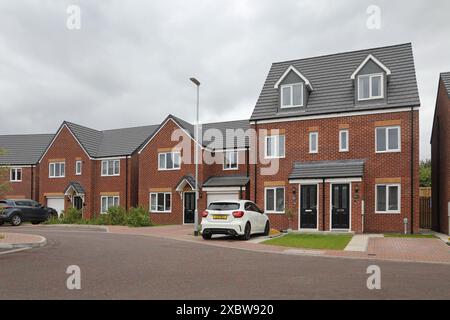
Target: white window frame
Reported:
[(311, 150), (78, 162), (107, 198), (160, 168), (11, 174), (54, 176), (347, 139), (227, 164), (274, 200), (276, 146), (399, 149), (371, 96), (116, 164), (291, 86), (156, 204), (399, 198)]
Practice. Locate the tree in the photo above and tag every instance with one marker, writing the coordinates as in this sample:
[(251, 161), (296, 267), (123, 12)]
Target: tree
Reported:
[(4, 181), (425, 173)]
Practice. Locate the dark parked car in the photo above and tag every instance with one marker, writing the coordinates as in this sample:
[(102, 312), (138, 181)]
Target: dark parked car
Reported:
[(18, 211)]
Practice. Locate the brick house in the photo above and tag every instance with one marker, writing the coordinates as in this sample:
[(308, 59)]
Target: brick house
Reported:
[(22, 153), (167, 169), (440, 157), (91, 170), (343, 130)]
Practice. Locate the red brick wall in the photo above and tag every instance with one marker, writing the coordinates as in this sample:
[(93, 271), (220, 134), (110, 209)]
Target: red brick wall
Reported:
[(362, 146), (24, 188), (440, 155)]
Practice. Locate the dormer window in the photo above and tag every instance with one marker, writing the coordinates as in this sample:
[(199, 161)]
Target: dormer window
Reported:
[(292, 95), (370, 86)]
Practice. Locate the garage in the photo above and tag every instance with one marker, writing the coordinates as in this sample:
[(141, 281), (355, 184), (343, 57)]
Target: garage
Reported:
[(56, 203), (221, 196)]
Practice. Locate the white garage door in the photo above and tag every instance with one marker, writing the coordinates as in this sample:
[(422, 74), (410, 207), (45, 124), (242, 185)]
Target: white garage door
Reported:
[(222, 196), (56, 203)]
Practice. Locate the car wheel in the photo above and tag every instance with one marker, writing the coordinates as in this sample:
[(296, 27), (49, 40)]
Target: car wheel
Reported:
[(1, 223), (247, 232), (35, 222), (267, 229), (16, 220), (206, 236)]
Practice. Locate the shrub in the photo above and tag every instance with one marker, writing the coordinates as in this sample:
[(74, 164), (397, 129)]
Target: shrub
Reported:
[(71, 216), (117, 216), (138, 217)]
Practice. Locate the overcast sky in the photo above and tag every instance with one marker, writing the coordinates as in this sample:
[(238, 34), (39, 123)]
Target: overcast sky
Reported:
[(129, 63)]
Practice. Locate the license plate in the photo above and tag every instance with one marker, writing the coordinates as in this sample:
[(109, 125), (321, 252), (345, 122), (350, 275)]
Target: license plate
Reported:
[(219, 217)]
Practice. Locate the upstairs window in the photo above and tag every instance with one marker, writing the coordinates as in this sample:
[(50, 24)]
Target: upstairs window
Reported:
[(313, 142), (78, 166), (387, 139), (370, 87), (110, 167), (57, 170), (292, 95), (169, 161), (230, 160), (343, 140), (275, 147), (16, 174)]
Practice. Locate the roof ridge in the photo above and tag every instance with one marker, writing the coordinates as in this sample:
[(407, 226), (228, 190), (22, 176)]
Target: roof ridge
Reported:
[(228, 121), (26, 134), (134, 127), (342, 53)]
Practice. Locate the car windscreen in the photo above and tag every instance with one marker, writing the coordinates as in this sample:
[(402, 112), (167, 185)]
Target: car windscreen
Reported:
[(223, 206)]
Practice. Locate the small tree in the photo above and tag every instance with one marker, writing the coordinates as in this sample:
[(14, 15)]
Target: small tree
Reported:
[(289, 213), (4, 178), (425, 173)]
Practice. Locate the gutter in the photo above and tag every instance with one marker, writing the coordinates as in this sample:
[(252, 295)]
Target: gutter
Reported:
[(412, 171)]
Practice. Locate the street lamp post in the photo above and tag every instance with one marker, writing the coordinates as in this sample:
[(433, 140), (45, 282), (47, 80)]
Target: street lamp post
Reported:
[(197, 83)]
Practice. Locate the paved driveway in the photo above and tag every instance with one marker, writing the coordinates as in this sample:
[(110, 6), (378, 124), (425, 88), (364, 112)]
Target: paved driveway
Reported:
[(119, 266)]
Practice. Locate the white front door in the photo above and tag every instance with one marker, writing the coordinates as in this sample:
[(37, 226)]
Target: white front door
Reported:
[(56, 203)]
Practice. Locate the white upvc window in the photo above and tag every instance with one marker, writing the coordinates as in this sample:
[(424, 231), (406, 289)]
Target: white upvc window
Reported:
[(109, 202), (292, 95), (78, 167), (313, 142), (387, 198), (387, 139), (15, 175), (275, 146), (169, 161), (161, 202), (274, 200), (370, 87), (57, 170), (343, 140), (110, 167), (230, 161)]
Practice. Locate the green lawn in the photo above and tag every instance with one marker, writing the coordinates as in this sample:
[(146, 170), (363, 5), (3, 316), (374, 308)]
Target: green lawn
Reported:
[(399, 235), (312, 241)]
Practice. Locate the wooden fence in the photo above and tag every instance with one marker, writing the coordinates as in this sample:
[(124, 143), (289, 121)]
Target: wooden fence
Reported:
[(425, 208)]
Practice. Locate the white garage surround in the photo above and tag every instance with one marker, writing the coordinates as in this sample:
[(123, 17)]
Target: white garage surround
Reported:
[(56, 203), (222, 194)]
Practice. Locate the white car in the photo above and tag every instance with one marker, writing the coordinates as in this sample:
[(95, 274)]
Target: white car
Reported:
[(235, 217)]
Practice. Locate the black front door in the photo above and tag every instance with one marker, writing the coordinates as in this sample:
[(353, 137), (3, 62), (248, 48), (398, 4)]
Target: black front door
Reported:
[(308, 207), (340, 215), (189, 207), (77, 202)]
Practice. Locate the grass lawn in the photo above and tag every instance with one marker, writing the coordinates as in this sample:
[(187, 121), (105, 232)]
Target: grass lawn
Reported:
[(312, 241), (399, 235)]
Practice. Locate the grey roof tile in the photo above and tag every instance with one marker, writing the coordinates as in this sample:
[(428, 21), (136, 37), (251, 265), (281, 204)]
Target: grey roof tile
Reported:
[(333, 88), (445, 76), (76, 185), (23, 149), (327, 169), (226, 181)]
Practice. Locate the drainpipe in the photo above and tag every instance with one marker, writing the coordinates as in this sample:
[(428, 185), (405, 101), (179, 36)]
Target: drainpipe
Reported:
[(126, 183), (412, 170), (256, 162), (32, 186), (323, 204)]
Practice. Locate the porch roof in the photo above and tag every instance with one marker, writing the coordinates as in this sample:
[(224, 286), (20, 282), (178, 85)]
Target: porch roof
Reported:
[(186, 180), (327, 169), (76, 186)]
